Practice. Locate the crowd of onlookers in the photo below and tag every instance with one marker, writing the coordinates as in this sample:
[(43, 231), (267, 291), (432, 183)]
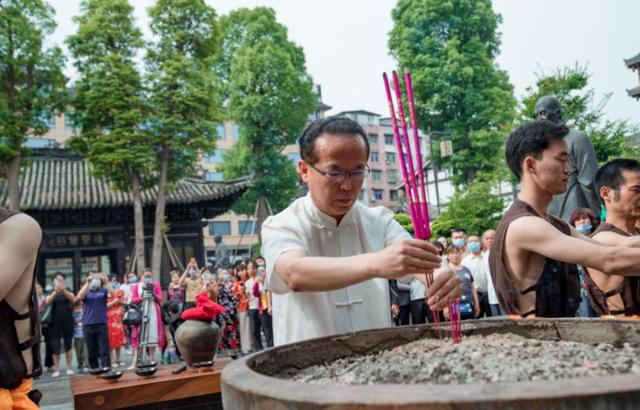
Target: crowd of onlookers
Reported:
[(96, 322), (93, 322)]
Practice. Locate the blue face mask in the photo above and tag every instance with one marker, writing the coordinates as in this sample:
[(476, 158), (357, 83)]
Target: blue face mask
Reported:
[(94, 284), (584, 229), (474, 247), (459, 243), (147, 280), (225, 277), (133, 279)]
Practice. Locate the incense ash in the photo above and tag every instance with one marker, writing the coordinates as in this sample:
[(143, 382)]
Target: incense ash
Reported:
[(485, 359)]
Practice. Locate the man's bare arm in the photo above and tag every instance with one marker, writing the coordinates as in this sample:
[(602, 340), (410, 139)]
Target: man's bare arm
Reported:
[(20, 237), (609, 238), (539, 236)]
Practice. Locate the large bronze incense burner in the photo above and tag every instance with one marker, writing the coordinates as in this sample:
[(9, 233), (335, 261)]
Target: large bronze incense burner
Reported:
[(251, 382)]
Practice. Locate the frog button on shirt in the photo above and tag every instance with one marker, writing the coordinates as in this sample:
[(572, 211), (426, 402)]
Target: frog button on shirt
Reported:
[(302, 226)]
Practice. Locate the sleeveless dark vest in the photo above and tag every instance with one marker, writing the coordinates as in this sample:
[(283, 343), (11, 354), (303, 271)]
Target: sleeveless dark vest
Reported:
[(558, 286), (628, 288), (13, 369)]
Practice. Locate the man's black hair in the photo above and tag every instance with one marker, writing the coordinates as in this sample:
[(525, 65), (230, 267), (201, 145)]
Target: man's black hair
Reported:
[(55, 275), (610, 174), (531, 139), (329, 125), (454, 230)]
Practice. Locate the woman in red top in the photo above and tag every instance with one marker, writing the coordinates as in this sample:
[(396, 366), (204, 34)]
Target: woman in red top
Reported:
[(115, 313), (240, 293)]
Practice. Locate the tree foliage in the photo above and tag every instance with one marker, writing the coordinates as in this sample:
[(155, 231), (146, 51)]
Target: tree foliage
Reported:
[(475, 208), (405, 221), (32, 86), (182, 95), (449, 46), (580, 110), (270, 94), (108, 100)]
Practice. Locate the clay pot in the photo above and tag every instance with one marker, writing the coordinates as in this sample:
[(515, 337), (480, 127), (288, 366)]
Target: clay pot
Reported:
[(198, 341)]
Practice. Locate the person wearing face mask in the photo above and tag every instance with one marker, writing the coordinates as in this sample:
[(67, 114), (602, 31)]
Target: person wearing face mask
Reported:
[(115, 314), (175, 291), (459, 240), (94, 294), (585, 222), (61, 326), (230, 340), (474, 262), (156, 337), (192, 281)]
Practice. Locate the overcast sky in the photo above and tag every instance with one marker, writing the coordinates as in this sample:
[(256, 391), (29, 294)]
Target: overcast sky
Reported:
[(345, 43)]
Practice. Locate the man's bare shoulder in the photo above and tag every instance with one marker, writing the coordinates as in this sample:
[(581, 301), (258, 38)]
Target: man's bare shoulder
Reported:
[(611, 238), (21, 226)]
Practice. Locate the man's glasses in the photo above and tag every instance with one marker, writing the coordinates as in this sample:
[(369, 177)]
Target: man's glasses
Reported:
[(338, 176)]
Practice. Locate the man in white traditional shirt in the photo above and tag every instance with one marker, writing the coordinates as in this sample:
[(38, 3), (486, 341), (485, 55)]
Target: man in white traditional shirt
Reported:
[(328, 256), (473, 262), (492, 297)]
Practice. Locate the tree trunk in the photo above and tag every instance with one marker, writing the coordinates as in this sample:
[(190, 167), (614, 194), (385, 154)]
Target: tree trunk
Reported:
[(138, 222), (156, 253), (12, 174), (471, 174)]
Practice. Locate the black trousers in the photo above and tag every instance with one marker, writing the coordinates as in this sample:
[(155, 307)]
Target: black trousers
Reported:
[(97, 339), (485, 308), (254, 317), (266, 321), (404, 316)]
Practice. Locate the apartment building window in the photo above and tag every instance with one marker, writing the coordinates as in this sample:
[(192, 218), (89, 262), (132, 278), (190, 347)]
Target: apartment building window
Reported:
[(390, 157), (216, 158), (235, 132), (294, 157), (377, 175), (246, 227), (39, 143), (214, 176), (375, 156), (220, 131), (377, 194), (219, 228), (392, 175), (373, 139), (388, 139), (393, 195), (69, 125)]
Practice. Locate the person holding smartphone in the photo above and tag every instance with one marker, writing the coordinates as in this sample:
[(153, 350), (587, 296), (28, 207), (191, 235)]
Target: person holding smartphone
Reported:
[(61, 327), (94, 293), (192, 281)]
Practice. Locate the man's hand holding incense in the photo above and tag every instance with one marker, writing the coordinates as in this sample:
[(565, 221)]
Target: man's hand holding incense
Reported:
[(446, 288), (404, 258)]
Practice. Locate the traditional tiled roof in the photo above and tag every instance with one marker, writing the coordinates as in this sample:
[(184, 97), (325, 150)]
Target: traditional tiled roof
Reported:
[(634, 92), (65, 182), (633, 61)]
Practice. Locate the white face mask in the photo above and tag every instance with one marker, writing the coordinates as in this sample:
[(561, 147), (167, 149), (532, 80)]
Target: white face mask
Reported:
[(94, 284)]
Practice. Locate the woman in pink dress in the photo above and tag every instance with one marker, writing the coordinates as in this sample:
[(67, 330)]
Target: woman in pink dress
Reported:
[(156, 335)]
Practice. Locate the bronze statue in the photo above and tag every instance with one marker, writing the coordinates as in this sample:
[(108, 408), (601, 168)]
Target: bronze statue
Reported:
[(581, 192)]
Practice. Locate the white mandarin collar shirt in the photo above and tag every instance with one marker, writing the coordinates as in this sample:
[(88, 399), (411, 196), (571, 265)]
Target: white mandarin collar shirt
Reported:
[(302, 226)]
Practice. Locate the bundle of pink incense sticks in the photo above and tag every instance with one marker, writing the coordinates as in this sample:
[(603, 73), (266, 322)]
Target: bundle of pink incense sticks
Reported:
[(414, 182)]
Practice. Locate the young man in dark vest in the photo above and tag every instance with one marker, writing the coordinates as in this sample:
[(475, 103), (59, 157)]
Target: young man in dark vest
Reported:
[(618, 183), (534, 255), (20, 238)]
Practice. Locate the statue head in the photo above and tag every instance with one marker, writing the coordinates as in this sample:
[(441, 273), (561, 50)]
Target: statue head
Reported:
[(217, 239), (548, 108)]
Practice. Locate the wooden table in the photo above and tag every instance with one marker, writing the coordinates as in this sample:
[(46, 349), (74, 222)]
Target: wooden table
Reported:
[(133, 391)]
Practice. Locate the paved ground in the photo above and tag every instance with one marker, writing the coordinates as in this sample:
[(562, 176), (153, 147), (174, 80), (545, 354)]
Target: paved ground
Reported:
[(57, 392)]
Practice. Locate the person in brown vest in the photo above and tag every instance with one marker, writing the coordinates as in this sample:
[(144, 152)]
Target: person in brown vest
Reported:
[(534, 255), (618, 183), (20, 238)]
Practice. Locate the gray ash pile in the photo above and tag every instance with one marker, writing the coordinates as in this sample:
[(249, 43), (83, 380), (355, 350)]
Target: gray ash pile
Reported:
[(484, 359)]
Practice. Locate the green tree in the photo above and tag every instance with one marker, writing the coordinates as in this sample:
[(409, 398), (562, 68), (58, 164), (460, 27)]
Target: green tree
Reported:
[(580, 110), (475, 208), (183, 96), (32, 86), (449, 46), (109, 102), (270, 95), (405, 221)]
